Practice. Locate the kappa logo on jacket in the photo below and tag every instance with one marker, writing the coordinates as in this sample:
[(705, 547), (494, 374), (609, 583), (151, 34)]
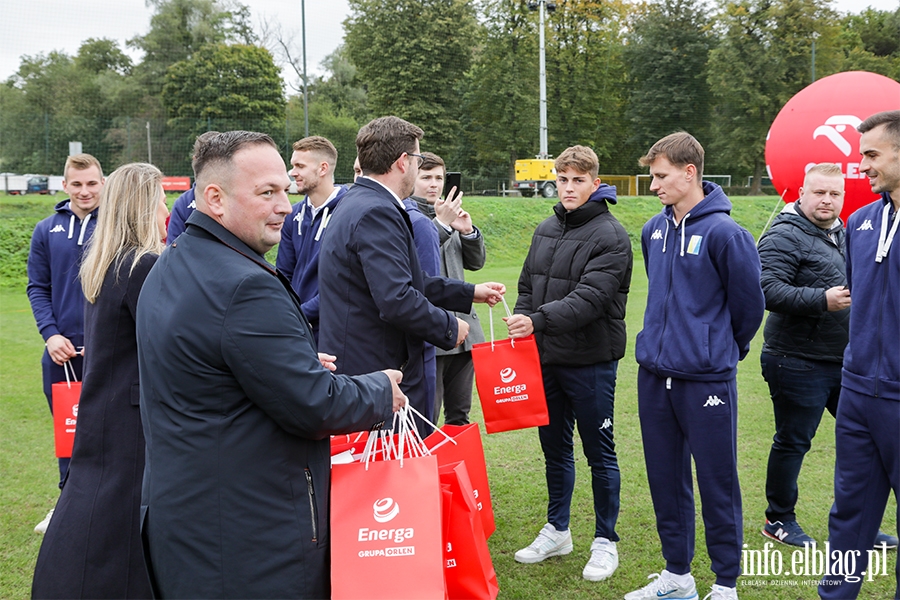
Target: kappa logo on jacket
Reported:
[(714, 401), (193, 204), (60, 228), (866, 226), (657, 235)]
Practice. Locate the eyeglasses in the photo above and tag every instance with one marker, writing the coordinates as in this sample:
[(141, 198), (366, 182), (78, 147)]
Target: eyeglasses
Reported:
[(419, 156)]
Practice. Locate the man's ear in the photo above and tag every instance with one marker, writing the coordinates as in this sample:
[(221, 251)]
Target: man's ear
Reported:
[(690, 172), (213, 197), (401, 163)]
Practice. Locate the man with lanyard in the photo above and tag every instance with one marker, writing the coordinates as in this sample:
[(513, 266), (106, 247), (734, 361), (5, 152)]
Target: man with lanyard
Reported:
[(867, 444), (312, 167)]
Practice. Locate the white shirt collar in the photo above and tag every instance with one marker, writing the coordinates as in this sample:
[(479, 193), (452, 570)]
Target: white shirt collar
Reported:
[(315, 210)]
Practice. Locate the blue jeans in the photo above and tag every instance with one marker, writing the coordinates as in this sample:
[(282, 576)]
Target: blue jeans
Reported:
[(585, 394), (801, 391)]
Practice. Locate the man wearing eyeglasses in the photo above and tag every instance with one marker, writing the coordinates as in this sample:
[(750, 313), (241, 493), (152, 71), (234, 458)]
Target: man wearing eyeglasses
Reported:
[(377, 306)]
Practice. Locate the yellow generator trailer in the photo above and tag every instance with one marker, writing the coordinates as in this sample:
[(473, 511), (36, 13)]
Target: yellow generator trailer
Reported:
[(535, 176)]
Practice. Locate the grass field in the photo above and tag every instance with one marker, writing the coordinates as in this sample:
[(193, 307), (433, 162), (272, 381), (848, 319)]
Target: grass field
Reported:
[(28, 467)]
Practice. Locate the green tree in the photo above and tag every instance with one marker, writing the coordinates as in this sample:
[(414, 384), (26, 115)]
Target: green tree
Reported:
[(585, 81), (223, 87), (871, 42), (54, 99), (500, 94), (666, 55), (180, 28), (412, 55), (762, 60)]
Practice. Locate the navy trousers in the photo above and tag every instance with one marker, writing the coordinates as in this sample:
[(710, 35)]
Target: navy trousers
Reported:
[(455, 376), (582, 394), (866, 469), (801, 391), (681, 419), (53, 373)]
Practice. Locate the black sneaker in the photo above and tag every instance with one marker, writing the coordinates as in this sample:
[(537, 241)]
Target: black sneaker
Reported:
[(789, 533), (885, 539)]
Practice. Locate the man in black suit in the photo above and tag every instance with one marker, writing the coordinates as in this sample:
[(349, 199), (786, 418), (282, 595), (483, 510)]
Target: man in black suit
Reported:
[(235, 402), (377, 307)]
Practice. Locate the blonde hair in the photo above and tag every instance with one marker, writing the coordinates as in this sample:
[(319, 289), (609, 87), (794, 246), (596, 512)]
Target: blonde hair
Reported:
[(126, 224), (826, 169), (81, 162), (580, 158)]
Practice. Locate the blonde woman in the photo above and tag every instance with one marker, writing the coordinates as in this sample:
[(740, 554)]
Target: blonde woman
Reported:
[(92, 548)]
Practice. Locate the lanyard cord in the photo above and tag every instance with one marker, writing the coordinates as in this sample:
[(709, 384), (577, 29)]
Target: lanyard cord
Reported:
[(886, 239)]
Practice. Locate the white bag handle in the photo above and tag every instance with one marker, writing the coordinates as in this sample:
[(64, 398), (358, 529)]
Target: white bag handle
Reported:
[(408, 439), (491, 320), (67, 366)]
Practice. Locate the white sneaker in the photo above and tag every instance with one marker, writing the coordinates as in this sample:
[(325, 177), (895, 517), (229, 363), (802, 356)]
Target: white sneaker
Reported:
[(604, 560), (549, 542), (664, 586), (42, 526), (720, 592)]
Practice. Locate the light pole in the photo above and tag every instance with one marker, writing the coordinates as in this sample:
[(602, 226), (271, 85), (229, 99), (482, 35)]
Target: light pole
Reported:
[(305, 78), (149, 152), (539, 5), (815, 35)]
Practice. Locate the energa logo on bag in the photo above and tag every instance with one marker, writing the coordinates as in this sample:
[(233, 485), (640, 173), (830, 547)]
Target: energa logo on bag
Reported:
[(383, 511), (71, 421), (515, 392)]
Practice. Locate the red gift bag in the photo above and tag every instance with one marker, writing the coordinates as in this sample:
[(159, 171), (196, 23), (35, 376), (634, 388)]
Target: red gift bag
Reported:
[(386, 522), (468, 569), (468, 448), (509, 382), (65, 411), (354, 442)]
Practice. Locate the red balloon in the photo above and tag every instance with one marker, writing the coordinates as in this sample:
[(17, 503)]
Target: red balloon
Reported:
[(819, 125)]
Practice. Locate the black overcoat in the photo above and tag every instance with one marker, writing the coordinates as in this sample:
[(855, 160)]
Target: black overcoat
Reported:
[(377, 307), (237, 411), (92, 548)]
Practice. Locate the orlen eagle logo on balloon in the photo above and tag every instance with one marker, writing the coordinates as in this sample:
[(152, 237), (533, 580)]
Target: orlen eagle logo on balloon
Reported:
[(818, 125), (385, 510), (507, 375)]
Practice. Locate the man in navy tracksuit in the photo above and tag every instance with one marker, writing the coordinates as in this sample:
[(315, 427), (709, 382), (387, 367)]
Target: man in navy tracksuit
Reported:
[(425, 237), (184, 205), (867, 426), (312, 167), (54, 289), (704, 305)]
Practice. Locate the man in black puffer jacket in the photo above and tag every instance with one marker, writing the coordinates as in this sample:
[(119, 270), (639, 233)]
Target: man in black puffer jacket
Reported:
[(804, 280), (572, 294)]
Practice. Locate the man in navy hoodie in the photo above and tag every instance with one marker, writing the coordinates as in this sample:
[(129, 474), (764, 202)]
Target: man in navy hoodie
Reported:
[(867, 426), (312, 167), (704, 305), (54, 289)]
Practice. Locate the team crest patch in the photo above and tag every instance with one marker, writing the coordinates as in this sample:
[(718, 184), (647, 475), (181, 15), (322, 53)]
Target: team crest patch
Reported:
[(694, 245)]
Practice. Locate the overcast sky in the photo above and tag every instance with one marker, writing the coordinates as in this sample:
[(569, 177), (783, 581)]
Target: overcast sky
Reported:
[(30, 27)]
